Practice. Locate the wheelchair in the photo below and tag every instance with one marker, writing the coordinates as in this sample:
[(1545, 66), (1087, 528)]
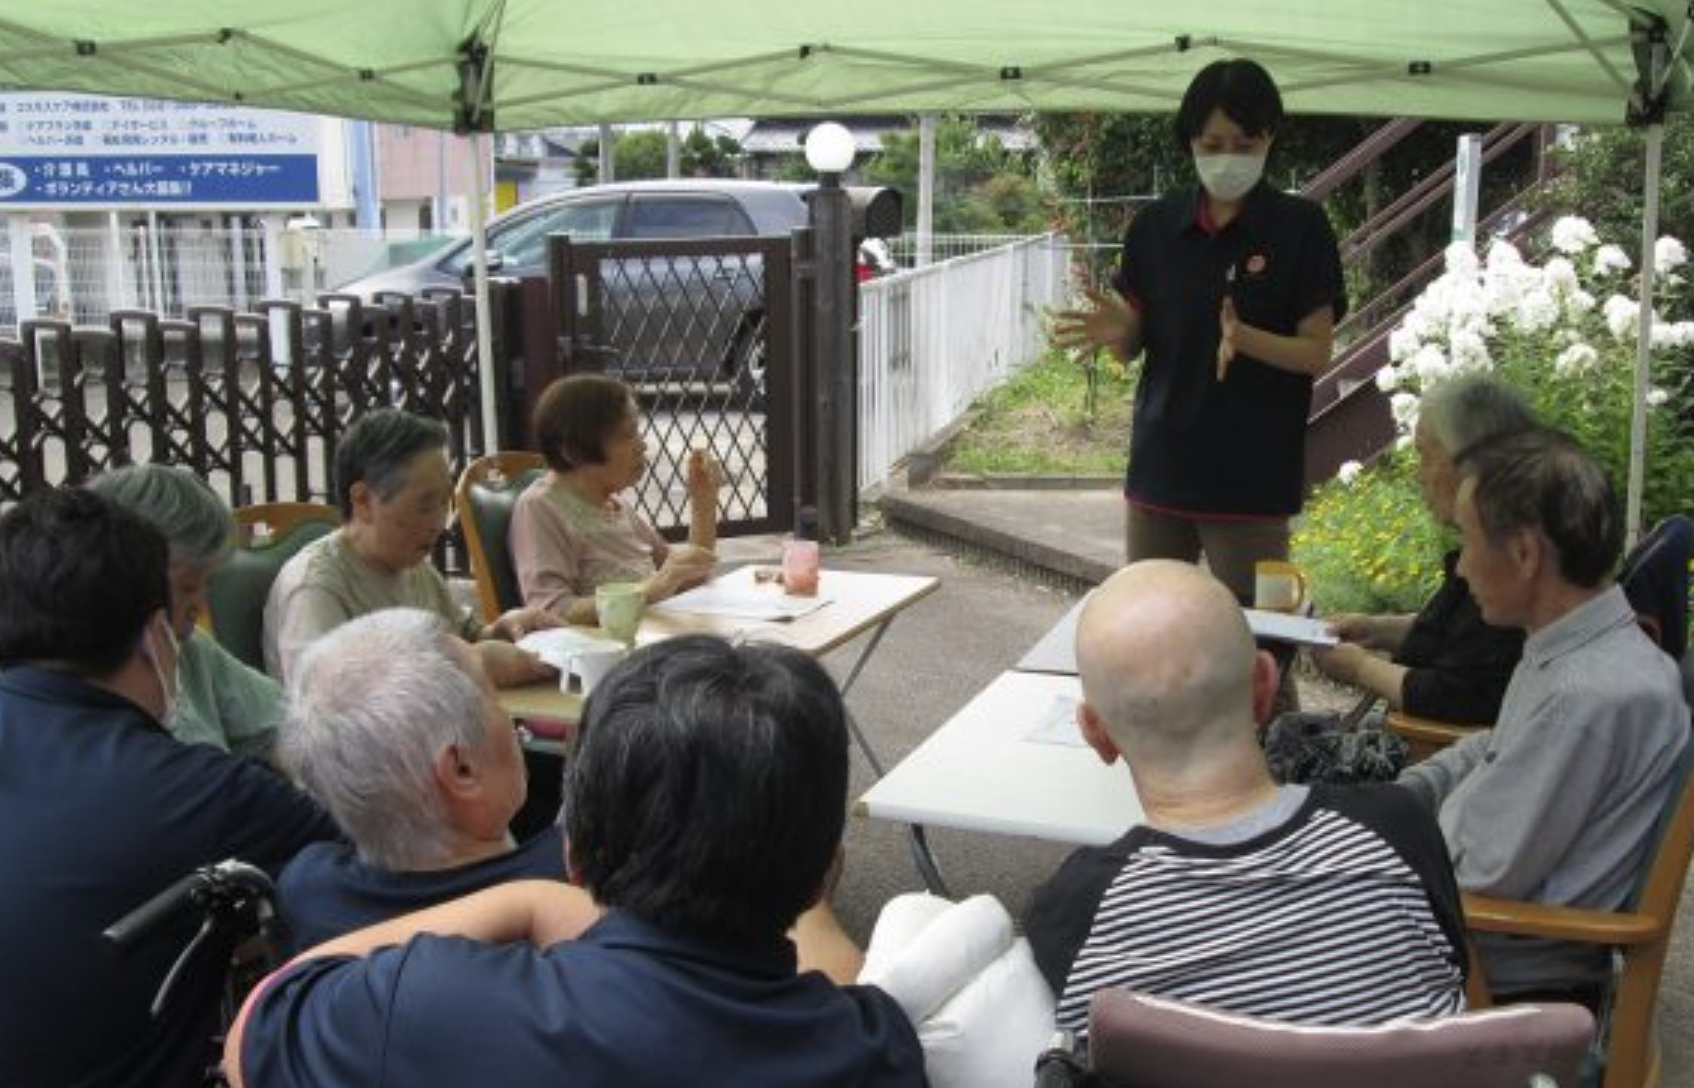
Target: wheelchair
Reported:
[(240, 933)]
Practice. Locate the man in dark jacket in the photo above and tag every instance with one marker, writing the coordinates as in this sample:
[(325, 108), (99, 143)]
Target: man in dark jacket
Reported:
[(100, 808)]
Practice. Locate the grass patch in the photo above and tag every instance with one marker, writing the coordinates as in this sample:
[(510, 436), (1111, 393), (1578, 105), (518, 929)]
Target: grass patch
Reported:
[(1040, 422)]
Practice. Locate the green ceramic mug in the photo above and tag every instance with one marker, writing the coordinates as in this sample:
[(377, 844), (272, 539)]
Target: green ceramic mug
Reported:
[(619, 606)]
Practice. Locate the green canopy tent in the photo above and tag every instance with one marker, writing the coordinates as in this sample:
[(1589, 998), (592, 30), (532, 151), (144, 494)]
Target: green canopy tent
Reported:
[(497, 65)]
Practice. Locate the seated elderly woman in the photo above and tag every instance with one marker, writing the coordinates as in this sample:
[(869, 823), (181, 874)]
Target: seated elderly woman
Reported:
[(570, 531), (1445, 662), (394, 728), (395, 491), (220, 701)]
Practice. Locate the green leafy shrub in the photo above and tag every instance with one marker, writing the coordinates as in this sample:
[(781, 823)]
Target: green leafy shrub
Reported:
[(1056, 417), (1369, 545)]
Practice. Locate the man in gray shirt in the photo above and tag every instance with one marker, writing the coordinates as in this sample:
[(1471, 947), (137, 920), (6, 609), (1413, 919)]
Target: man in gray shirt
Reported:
[(1554, 804)]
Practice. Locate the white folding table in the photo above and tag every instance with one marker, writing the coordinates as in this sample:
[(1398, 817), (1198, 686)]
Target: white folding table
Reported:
[(984, 771)]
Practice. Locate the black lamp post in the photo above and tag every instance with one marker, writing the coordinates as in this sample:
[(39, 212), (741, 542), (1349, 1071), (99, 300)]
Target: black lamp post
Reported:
[(829, 151)]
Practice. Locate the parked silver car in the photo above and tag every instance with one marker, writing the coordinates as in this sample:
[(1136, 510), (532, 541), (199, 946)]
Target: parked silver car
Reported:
[(665, 318)]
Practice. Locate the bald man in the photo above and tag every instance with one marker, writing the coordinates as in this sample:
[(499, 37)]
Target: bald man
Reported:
[(1318, 905)]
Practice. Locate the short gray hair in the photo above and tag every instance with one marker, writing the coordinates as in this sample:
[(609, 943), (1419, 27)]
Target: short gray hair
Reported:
[(378, 449), (1468, 410), (180, 505), (371, 706)]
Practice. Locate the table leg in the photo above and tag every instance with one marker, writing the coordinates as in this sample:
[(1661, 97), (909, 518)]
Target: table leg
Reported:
[(865, 655), (859, 737), (924, 858)]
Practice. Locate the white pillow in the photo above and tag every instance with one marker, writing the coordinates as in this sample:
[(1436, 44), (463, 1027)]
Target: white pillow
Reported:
[(968, 984)]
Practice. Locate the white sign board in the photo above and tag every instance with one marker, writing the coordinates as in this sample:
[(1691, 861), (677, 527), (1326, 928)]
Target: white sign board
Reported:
[(72, 151)]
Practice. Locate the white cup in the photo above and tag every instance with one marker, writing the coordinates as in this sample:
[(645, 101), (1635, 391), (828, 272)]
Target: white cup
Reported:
[(591, 663)]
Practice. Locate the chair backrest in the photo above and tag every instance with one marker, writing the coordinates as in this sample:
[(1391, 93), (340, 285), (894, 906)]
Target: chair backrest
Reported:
[(1137, 1041), (267, 537), (1654, 577), (488, 489)]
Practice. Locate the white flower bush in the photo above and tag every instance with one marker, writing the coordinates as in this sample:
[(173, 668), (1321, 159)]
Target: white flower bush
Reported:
[(1539, 327), (1573, 234)]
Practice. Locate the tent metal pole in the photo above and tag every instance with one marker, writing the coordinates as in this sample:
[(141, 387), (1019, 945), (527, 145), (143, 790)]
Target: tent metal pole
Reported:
[(926, 189), (484, 325), (1644, 335)]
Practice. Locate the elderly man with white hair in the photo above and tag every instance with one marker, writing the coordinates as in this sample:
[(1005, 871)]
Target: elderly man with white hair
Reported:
[(395, 728), (1319, 905)]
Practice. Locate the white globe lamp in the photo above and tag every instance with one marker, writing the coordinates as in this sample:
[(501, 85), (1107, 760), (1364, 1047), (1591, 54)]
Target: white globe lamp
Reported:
[(829, 148)]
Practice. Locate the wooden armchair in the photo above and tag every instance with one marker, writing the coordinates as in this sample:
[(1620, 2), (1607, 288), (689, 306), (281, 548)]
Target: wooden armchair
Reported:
[(488, 489), (1640, 934), (267, 537)]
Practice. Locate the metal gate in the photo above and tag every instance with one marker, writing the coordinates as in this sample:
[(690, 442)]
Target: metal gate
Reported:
[(707, 332)]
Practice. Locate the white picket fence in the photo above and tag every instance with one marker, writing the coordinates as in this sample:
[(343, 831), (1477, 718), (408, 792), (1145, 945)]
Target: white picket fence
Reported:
[(932, 339)]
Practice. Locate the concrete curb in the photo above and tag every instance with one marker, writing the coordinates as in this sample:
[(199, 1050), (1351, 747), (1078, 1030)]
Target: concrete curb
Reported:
[(959, 481), (1077, 570)]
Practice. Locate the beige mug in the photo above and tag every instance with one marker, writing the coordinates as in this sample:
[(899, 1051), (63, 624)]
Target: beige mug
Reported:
[(619, 606), (1278, 586)]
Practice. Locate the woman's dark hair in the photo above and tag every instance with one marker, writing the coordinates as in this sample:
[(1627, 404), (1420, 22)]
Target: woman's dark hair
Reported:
[(80, 577), (575, 416), (376, 451), (1242, 89), (708, 789), (1541, 479)]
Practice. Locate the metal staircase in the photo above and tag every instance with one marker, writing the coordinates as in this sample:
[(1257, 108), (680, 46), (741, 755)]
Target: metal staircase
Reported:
[(1350, 420)]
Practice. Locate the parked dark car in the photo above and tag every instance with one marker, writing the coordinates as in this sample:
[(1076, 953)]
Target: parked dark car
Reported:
[(689, 319)]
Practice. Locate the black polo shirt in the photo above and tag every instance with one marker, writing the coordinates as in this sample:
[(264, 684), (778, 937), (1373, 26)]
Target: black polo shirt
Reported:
[(100, 809), (1234, 448)]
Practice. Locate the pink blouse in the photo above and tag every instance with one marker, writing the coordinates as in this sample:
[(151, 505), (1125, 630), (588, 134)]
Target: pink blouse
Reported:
[(563, 546)]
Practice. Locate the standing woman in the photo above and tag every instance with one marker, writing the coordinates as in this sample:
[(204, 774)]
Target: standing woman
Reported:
[(1232, 291)]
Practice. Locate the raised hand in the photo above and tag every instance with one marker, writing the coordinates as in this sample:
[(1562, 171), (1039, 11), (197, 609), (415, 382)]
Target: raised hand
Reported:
[(1227, 324), (1109, 323)]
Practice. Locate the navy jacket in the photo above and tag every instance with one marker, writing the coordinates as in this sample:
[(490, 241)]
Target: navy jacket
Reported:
[(626, 1004), (99, 810)]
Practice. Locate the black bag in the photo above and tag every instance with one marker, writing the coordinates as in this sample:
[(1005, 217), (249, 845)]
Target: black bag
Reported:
[(1322, 746)]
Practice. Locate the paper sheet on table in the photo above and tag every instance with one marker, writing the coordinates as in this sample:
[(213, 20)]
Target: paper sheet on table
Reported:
[(1305, 630), (1057, 725), (558, 645), (742, 601)]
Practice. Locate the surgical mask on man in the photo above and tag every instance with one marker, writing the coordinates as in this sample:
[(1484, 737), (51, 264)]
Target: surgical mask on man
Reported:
[(1229, 177), (168, 686)]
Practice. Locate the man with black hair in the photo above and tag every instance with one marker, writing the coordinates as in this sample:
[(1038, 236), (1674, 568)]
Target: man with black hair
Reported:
[(1233, 291), (395, 491), (1557, 802), (704, 807), (101, 809)]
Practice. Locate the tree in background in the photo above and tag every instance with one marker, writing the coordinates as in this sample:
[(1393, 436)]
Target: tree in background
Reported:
[(980, 187), (1601, 177), (706, 156), (640, 154)]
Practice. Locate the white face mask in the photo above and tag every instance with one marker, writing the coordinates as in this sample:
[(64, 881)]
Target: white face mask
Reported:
[(168, 687), (1229, 177)]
